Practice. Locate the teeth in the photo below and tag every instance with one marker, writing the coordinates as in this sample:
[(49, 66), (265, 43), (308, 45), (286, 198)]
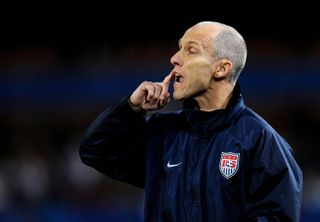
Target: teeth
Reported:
[(178, 77)]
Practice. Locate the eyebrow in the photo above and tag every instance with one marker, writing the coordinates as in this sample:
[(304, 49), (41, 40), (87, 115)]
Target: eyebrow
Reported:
[(190, 42)]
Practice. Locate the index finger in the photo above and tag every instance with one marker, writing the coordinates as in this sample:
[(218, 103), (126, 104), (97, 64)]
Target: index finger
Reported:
[(165, 84), (168, 78)]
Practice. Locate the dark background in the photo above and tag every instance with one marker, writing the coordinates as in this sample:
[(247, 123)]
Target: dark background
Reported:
[(61, 65)]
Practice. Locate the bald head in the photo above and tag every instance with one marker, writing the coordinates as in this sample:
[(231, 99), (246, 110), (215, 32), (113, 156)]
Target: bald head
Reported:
[(205, 33), (209, 26), (223, 42)]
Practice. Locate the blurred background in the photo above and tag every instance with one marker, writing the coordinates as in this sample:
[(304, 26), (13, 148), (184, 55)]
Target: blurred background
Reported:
[(58, 70)]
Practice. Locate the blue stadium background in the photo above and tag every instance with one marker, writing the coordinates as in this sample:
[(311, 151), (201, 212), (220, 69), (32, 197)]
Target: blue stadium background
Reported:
[(57, 75)]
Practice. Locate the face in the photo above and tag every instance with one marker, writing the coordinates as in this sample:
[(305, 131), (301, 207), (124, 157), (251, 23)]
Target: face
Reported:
[(193, 63)]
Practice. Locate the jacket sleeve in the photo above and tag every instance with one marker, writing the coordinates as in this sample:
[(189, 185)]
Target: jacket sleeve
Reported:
[(113, 144), (275, 187)]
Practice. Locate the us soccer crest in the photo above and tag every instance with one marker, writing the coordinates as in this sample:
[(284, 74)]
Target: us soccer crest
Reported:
[(229, 164)]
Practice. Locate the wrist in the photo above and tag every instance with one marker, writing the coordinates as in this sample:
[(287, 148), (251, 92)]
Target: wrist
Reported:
[(136, 108)]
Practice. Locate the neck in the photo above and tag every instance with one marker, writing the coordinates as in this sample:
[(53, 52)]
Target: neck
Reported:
[(216, 97)]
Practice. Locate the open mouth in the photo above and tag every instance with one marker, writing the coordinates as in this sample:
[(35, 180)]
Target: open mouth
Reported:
[(178, 79)]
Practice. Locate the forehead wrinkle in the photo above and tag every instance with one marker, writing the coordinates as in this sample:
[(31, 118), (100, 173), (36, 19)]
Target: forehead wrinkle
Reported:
[(205, 40)]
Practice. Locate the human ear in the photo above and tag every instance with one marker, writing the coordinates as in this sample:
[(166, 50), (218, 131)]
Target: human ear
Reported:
[(223, 69)]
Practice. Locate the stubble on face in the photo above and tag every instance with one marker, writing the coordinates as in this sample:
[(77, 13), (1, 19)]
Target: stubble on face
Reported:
[(197, 69)]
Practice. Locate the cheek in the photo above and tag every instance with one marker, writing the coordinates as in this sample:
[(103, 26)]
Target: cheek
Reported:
[(206, 71), (200, 73), (202, 66)]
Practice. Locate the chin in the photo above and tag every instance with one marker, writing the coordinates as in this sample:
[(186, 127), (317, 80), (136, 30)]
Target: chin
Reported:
[(177, 96)]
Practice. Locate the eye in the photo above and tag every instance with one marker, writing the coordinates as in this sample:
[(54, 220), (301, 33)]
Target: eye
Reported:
[(191, 50)]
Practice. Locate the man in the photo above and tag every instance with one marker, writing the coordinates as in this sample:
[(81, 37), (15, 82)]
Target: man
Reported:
[(215, 160)]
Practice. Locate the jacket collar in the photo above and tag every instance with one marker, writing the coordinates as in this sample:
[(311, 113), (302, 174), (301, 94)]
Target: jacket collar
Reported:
[(204, 122)]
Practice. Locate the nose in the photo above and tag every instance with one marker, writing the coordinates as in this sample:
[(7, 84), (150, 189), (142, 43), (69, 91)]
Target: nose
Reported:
[(175, 59)]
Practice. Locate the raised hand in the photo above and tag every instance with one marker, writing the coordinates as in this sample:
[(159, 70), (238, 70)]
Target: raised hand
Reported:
[(151, 95)]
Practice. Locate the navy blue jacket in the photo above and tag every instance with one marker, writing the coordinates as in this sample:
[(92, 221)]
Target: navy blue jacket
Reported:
[(227, 165)]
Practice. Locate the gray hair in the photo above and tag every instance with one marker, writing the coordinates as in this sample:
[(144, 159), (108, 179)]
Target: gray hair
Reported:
[(229, 44)]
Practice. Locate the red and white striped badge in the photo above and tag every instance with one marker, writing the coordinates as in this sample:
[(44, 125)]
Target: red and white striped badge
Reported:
[(229, 164)]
